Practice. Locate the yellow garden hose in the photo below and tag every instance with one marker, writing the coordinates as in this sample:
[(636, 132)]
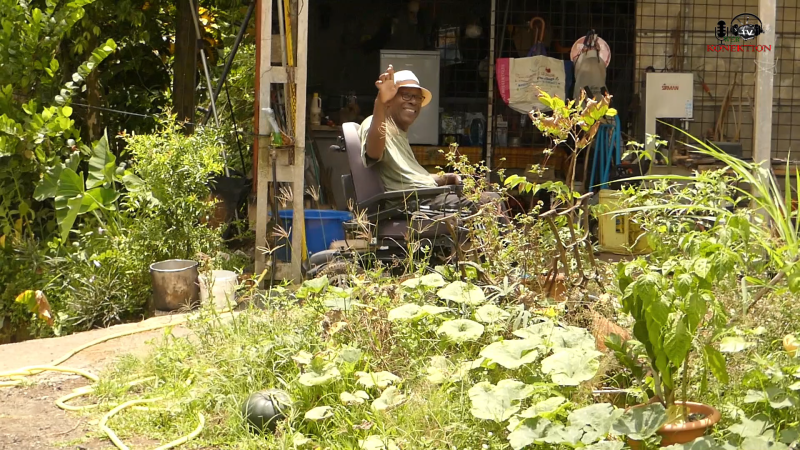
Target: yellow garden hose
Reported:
[(18, 374), (17, 377)]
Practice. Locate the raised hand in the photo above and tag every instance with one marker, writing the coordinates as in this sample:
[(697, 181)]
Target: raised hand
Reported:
[(386, 87)]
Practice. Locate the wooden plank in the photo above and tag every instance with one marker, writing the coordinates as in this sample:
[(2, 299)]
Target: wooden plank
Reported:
[(298, 187), (263, 65), (185, 66)]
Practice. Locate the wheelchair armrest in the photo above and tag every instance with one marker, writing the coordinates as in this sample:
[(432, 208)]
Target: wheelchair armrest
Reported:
[(414, 194)]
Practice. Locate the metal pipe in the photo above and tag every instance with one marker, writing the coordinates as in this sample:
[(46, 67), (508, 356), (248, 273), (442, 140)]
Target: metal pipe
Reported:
[(211, 93), (210, 88), (226, 69)]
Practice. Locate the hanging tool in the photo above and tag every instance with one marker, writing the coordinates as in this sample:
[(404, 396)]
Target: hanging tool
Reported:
[(537, 31)]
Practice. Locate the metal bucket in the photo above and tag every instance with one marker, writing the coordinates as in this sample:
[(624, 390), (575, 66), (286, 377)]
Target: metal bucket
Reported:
[(174, 284)]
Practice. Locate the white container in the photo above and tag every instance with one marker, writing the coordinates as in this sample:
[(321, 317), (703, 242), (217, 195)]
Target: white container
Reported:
[(223, 285), (316, 109)]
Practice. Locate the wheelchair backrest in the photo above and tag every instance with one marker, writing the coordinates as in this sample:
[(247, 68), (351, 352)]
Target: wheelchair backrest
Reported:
[(366, 181)]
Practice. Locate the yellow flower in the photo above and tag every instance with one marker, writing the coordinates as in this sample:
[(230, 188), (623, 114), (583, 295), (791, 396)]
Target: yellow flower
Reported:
[(791, 344)]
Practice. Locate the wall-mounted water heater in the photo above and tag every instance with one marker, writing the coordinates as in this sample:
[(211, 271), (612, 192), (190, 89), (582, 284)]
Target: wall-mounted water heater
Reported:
[(668, 95)]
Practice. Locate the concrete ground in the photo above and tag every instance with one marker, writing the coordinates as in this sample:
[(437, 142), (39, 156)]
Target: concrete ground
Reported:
[(29, 418)]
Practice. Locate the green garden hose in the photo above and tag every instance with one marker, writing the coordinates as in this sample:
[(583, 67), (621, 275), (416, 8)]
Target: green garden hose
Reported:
[(17, 377)]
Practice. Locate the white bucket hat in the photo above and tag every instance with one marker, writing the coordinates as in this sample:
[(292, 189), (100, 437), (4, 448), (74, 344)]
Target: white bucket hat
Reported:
[(406, 78)]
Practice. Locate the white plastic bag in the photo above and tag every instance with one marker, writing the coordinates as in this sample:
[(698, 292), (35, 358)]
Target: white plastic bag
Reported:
[(519, 78)]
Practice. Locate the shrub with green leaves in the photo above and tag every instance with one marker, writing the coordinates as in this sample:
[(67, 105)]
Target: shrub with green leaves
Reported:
[(169, 201)]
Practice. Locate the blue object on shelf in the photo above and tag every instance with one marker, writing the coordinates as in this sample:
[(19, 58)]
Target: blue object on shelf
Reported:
[(608, 153), (323, 227)]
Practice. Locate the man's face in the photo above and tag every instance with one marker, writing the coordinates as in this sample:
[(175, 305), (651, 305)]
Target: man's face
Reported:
[(405, 106)]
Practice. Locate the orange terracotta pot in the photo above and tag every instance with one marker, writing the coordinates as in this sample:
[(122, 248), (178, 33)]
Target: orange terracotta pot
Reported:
[(682, 433)]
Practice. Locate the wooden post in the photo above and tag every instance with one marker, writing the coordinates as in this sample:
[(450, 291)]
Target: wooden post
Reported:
[(765, 73), (185, 66), (290, 163), (490, 94), (298, 170), (261, 171)]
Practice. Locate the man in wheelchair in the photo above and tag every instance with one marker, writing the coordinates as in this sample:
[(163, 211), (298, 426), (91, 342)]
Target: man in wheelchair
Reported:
[(384, 143), (399, 200)]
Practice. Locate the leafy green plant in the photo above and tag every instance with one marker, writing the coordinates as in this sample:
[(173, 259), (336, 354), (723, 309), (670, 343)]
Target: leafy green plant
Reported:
[(674, 311), (168, 202), (771, 206), (573, 124), (75, 196)]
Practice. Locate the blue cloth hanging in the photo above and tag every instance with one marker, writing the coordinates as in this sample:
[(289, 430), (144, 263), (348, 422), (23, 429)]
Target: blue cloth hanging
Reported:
[(608, 153), (569, 71)]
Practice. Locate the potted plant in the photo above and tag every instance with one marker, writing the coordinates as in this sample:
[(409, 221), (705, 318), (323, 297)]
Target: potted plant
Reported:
[(671, 305)]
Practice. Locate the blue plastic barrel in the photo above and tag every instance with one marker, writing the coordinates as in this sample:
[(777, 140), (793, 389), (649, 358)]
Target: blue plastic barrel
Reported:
[(323, 226)]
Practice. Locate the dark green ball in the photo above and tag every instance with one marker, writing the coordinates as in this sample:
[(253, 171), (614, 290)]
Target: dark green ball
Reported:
[(263, 410)]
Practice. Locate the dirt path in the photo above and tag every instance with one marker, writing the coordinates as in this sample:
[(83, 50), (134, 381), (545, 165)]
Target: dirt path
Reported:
[(29, 418)]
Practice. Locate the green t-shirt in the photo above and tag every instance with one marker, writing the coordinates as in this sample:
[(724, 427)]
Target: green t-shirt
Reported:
[(398, 168)]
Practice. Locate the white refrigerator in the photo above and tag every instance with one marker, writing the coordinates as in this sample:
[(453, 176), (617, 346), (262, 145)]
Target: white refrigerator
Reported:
[(425, 65)]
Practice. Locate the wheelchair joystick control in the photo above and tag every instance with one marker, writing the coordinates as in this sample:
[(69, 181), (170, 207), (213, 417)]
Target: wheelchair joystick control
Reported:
[(339, 147)]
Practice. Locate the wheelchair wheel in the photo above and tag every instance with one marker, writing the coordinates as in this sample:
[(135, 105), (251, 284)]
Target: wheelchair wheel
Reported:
[(339, 272)]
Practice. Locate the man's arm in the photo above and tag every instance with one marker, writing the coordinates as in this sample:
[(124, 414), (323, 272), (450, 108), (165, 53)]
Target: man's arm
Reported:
[(446, 179), (376, 137)]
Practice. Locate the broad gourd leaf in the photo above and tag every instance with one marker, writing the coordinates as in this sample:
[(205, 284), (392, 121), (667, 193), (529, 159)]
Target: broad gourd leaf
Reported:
[(641, 422), (389, 398), (762, 443), (779, 398), (734, 344), (414, 312), (462, 293), (756, 427), (320, 377), (319, 413), (490, 313), (606, 445), (432, 280), (558, 337), (571, 367), (377, 443), (404, 312), (356, 398), (316, 285), (441, 370), (498, 403), (702, 443), (595, 420), (461, 330), (378, 379), (544, 407), (102, 164), (512, 354), (541, 431)]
